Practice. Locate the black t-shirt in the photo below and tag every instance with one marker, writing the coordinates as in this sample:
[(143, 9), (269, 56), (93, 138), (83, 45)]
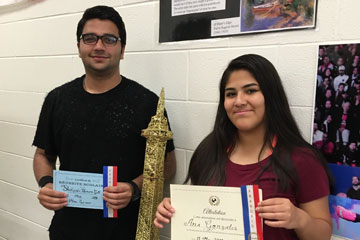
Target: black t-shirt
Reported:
[(88, 131), (354, 194)]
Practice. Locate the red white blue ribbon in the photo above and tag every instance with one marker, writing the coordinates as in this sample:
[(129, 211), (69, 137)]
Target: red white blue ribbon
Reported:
[(252, 221), (109, 180)]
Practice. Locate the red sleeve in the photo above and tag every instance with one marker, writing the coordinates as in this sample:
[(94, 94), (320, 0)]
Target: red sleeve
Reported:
[(313, 180)]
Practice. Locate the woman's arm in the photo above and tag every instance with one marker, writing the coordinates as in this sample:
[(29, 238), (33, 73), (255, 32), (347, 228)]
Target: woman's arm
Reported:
[(315, 220), (311, 221)]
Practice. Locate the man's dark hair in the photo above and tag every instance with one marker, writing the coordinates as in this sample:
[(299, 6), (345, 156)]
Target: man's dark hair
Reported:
[(102, 13), (343, 84)]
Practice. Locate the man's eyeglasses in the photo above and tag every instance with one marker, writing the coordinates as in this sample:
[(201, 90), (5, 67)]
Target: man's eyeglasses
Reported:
[(92, 39)]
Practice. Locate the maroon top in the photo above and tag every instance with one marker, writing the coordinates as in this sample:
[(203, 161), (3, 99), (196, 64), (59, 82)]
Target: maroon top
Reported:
[(313, 184)]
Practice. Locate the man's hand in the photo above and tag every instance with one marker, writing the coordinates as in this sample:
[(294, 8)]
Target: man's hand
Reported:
[(51, 199), (119, 196)]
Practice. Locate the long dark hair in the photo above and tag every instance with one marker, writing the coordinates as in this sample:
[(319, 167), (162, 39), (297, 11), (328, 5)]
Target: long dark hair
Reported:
[(208, 162)]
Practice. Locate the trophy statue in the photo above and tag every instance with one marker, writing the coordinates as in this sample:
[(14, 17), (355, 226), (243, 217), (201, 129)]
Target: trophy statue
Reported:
[(157, 135)]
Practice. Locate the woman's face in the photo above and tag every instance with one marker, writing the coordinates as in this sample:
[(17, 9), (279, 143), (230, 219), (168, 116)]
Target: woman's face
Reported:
[(244, 102), (326, 81), (327, 72)]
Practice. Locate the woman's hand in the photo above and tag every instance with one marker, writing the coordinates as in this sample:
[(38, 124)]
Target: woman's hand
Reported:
[(280, 212), (164, 213)]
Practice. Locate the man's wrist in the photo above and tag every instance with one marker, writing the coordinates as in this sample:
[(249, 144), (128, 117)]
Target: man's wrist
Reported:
[(45, 180), (136, 193)]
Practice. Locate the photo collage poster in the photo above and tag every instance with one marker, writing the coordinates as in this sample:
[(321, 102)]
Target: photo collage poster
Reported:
[(336, 131), (201, 19)]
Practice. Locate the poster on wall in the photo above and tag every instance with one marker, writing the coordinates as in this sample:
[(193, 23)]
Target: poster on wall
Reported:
[(201, 19), (336, 131)]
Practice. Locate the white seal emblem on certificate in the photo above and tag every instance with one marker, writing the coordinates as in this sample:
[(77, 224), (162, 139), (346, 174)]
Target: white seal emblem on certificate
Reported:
[(215, 213), (214, 200)]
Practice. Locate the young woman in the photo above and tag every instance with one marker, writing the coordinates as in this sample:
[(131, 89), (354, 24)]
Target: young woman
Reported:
[(255, 140)]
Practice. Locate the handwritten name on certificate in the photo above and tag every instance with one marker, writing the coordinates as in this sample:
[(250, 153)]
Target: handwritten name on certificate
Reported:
[(215, 213), (84, 190)]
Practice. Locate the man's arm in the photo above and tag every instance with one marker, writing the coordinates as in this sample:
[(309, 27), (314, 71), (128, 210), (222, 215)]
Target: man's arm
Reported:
[(44, 165)]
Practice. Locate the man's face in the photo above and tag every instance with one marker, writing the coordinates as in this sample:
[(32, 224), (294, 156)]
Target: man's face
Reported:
[(353, 50), (315, 127), (352, 146), (325, 137), (355, 71), (341, 88), (327, 104), (328, 93), (326, 60), (355, 180), (340, 61), (98, 58), (329, 118), (344, 95), (357, 85), (356, 61)]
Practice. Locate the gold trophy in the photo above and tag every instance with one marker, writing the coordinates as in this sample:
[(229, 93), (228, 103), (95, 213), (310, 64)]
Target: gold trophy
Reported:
[(156, 134)]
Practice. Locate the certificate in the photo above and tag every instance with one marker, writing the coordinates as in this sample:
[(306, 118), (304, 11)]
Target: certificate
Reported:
[(84, 190), (215, 213)]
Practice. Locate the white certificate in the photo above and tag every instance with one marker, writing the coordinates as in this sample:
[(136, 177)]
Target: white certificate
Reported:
[(215, 213)]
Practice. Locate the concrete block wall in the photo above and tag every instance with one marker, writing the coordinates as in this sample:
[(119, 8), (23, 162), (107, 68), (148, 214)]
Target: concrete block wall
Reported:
[(38, 52)]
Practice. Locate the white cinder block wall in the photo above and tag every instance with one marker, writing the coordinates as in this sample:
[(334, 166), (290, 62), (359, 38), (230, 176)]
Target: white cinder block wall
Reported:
[(38, 52)]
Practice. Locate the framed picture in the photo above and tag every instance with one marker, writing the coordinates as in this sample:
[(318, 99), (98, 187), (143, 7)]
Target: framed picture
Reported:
[(199, 19), (336, 131), (336, 128)]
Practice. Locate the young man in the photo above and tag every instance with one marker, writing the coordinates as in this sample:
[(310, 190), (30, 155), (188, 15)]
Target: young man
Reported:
[(354, 190), (95, 121), (341, 78)]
